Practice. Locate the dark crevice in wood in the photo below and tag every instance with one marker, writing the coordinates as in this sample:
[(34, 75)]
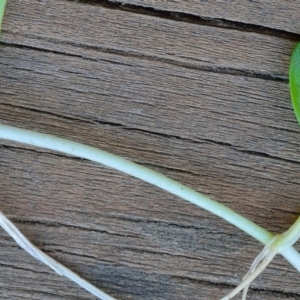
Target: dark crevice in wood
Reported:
[(39, 150), (256, 153), (72, 226), (132, 249), (284, 129), (223, 285), (160, 167), (174, 225), (251, 152), (194, 19), (31, 290), (220, 70), (159, 134), (14, 267), (53, 251), (284, 295), (265, 155), (59, 154), (47, 113)]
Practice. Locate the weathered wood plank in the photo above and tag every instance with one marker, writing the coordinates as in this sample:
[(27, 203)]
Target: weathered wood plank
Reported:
[(79, 25), (274, 14), (139, 247), (217, 170), (185, 99), (166, 236), (250, 114), (114, 274)]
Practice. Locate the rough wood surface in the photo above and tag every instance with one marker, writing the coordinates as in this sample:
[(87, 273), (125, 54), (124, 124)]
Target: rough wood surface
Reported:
[(144, 37), (205, 105), (259, 15)]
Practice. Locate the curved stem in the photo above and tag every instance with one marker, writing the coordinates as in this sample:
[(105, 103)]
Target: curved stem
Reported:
[(135, 170), (113, 161)]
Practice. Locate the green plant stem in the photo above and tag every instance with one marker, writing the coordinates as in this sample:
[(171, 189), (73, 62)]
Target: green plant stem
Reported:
[(2, 9), (288, 238), (113, 161)]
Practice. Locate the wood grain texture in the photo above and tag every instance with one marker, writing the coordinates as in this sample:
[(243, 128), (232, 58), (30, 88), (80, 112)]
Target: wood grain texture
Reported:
[(142, 233), (158, 98), (204, 105), (274, 14), (144, 37)]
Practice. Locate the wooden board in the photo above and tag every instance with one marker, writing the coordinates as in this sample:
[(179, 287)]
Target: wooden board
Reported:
[(62, 26), (261, 15), (192, 101)]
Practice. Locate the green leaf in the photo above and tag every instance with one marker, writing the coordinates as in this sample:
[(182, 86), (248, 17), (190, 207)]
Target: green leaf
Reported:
[(2, 9), (294, 78)]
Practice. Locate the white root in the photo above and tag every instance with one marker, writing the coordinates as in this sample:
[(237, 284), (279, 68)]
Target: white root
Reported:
[(24, 243), (245, 283), (259, 264)]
